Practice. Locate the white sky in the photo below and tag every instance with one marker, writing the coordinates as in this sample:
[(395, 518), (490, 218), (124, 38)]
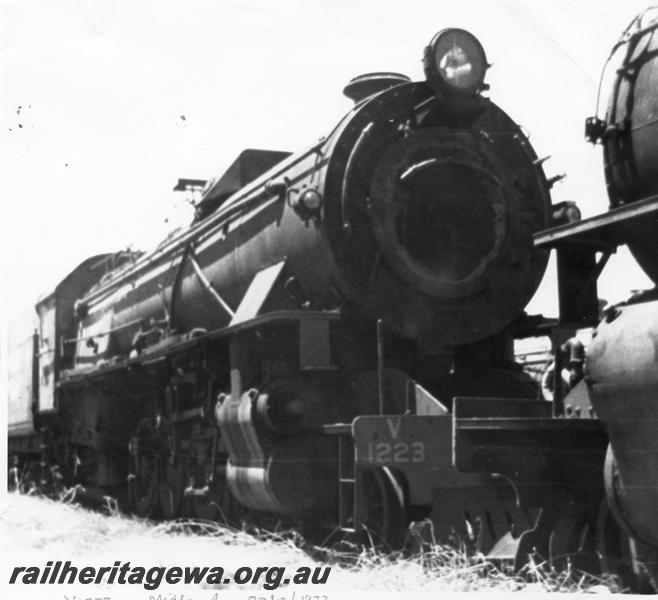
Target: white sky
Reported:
[(93, 95)]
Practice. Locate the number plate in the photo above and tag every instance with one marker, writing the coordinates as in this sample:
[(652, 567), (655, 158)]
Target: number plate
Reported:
[(410, 440)]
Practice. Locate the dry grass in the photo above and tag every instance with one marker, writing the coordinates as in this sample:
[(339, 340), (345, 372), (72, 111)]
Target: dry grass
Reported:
[(37, 530)]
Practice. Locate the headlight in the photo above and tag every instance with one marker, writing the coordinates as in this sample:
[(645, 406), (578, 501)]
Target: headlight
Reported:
[(454, 61), (307, 203)]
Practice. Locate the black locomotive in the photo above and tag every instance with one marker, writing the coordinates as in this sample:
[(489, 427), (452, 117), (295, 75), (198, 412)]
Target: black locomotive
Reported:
[(330, 342)]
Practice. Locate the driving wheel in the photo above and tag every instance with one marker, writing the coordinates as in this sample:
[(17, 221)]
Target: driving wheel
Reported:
[(382, 508)]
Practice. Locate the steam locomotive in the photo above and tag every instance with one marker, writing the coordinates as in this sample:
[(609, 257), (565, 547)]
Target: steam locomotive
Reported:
[(330, 343)]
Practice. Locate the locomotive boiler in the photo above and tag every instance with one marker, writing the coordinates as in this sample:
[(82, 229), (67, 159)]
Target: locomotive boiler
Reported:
[(331, 329)]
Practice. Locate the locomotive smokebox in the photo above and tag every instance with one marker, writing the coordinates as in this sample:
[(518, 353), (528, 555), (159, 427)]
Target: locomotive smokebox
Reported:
[(438, 214), (439, 194)]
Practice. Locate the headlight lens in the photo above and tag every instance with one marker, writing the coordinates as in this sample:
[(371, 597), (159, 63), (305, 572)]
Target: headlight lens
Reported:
[(311, 199), (455, 61)]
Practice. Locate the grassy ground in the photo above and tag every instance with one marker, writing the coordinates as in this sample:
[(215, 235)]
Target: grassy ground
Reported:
[(36, 530)]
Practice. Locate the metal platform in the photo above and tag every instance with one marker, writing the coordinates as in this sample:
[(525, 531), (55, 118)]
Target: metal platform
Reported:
[(602, 232), (577, 245)]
